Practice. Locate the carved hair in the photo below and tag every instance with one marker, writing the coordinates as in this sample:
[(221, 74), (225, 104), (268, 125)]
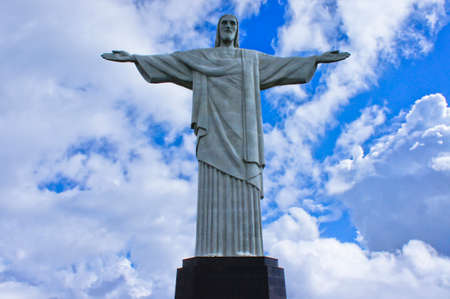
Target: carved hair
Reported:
[(236, 38)]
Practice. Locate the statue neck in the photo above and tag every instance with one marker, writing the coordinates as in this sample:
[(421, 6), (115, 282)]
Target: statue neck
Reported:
[(226, 44)]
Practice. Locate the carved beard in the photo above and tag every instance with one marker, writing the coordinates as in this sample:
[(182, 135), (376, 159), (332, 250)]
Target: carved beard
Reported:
[(227, 36)]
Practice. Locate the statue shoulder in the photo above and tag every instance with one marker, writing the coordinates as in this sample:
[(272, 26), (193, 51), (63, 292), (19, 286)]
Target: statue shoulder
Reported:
[(251, 51), (195, 52), (217, 53), (213, 50), (253, 54)]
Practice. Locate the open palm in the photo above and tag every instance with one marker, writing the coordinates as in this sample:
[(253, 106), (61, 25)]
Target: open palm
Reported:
[(332, 56), (118, 56)]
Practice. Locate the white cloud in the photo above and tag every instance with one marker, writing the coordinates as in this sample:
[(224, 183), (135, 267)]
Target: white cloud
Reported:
[(17, 290), (362, 129), (352, 164), (311, 25), (372, 29), (349, 149), (287, 197), (398, 190), (295, 225), (326, 268), (441, 163), (312, 206), (247, 7)]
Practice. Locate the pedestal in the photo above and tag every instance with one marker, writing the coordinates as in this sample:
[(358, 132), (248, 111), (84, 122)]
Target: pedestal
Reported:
[(230, 278)]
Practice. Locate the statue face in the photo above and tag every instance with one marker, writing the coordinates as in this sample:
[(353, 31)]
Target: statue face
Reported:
[(228, 28)]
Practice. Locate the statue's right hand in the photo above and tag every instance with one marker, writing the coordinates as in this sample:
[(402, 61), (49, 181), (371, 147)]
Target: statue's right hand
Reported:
[(119, 56)]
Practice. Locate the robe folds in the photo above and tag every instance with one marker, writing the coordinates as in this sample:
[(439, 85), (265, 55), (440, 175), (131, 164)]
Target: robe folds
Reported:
[(227, 120), (226, 109)]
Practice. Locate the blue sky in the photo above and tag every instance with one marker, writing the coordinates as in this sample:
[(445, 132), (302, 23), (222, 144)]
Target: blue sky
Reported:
[(98, 177)]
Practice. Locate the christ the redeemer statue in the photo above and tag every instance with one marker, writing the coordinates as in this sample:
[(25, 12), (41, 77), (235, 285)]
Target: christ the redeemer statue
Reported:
[(226, 117)]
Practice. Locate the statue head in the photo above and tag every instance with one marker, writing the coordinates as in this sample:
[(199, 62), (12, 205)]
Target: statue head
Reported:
[(227, 31)]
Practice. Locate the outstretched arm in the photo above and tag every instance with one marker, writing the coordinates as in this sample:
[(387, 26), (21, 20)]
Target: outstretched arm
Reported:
[(332, 56), (156, 68), (119, 56), (276, 71)]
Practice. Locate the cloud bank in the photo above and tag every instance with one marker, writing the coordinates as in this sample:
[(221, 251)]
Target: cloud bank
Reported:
[(97, 188), (326, 268)]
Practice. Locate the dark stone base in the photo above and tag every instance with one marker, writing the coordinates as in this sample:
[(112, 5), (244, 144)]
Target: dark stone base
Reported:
[(230, 278)]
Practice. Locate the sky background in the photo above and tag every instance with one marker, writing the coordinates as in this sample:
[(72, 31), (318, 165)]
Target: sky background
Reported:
[(98, 174)]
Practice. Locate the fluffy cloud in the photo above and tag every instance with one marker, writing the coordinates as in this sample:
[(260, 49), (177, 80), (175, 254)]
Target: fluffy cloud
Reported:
[(441, 162), (399, 189), (247, 7), (326, 268), (295, 225), (311, 25), (372, 38), (362, 129)]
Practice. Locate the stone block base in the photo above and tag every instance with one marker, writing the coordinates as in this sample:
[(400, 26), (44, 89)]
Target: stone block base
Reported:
[(230, 278)]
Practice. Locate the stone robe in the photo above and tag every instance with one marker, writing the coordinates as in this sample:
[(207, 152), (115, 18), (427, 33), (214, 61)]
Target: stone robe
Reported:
[(226, 117)]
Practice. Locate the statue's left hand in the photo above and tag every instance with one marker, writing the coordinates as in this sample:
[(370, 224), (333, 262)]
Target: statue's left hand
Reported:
[(332, 56), (119, 56)]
